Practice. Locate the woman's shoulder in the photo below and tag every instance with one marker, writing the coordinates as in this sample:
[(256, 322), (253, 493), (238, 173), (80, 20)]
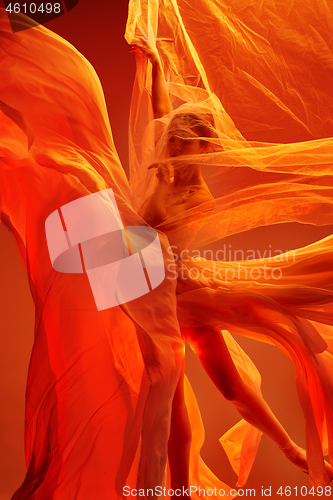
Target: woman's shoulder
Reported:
[(185, 198), (201, 189), (198, 196)]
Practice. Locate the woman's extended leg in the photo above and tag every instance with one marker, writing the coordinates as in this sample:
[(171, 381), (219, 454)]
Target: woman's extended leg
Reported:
[(211, 349), (179, 445)]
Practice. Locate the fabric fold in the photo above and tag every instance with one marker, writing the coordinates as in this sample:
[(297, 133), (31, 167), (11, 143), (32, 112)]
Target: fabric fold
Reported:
[(100, 383), (260, 75)]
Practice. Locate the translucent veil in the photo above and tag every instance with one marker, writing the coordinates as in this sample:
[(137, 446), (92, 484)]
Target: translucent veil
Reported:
[(108, 377), (258, 76), (97, 404), (264, 75)]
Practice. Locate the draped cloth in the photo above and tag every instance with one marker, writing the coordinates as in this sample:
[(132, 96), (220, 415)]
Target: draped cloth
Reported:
[(258, 76), (101, 383)]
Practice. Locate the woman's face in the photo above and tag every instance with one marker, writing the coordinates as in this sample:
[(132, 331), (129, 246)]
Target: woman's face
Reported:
[(181, 142), (182, 139)]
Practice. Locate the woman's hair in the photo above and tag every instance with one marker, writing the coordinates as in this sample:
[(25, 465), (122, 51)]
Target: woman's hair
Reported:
[(201, 124)]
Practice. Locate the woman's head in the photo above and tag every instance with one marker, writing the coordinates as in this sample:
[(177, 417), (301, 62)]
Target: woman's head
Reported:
[(185, 133)]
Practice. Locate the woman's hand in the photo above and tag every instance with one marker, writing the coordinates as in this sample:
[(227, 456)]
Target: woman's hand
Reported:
[(163, 173), (144, 47), (155, 211)]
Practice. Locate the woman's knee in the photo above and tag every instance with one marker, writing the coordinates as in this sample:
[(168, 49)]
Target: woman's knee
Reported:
[(198, 338), (207, 344), (234, 390)]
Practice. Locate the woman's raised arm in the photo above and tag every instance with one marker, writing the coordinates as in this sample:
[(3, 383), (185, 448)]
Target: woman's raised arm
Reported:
[(160, 96)]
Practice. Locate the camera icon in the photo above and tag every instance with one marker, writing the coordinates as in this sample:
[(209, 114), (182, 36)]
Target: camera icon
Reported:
[(87, 236)]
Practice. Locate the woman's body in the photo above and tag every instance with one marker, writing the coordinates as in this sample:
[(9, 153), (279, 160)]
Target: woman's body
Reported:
[(98, 404), (87, 410), (208, 343)]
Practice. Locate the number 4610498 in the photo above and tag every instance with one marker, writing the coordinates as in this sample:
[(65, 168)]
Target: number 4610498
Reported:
[(32, 8), (314, 491)]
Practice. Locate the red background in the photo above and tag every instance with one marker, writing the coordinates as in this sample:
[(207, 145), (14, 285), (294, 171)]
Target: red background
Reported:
[(97, 32)]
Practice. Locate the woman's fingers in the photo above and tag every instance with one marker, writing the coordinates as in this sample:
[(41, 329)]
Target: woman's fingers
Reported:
[(142, 46), (158, 165), (140, 43), (136, 48), (163, 173)]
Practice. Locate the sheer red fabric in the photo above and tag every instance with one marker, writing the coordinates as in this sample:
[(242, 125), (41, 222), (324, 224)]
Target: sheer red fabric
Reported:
[(260, 74), (98, 403), (101, 383)]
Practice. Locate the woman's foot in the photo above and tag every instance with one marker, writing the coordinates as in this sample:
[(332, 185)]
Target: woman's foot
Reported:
[(297, 456)]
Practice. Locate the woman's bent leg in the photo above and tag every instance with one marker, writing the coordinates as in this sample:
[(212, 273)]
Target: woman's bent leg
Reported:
[(211, 349), (179, 445)]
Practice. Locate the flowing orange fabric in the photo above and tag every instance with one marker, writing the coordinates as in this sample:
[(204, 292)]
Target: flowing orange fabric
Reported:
[(100, 383), (259, 77)]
